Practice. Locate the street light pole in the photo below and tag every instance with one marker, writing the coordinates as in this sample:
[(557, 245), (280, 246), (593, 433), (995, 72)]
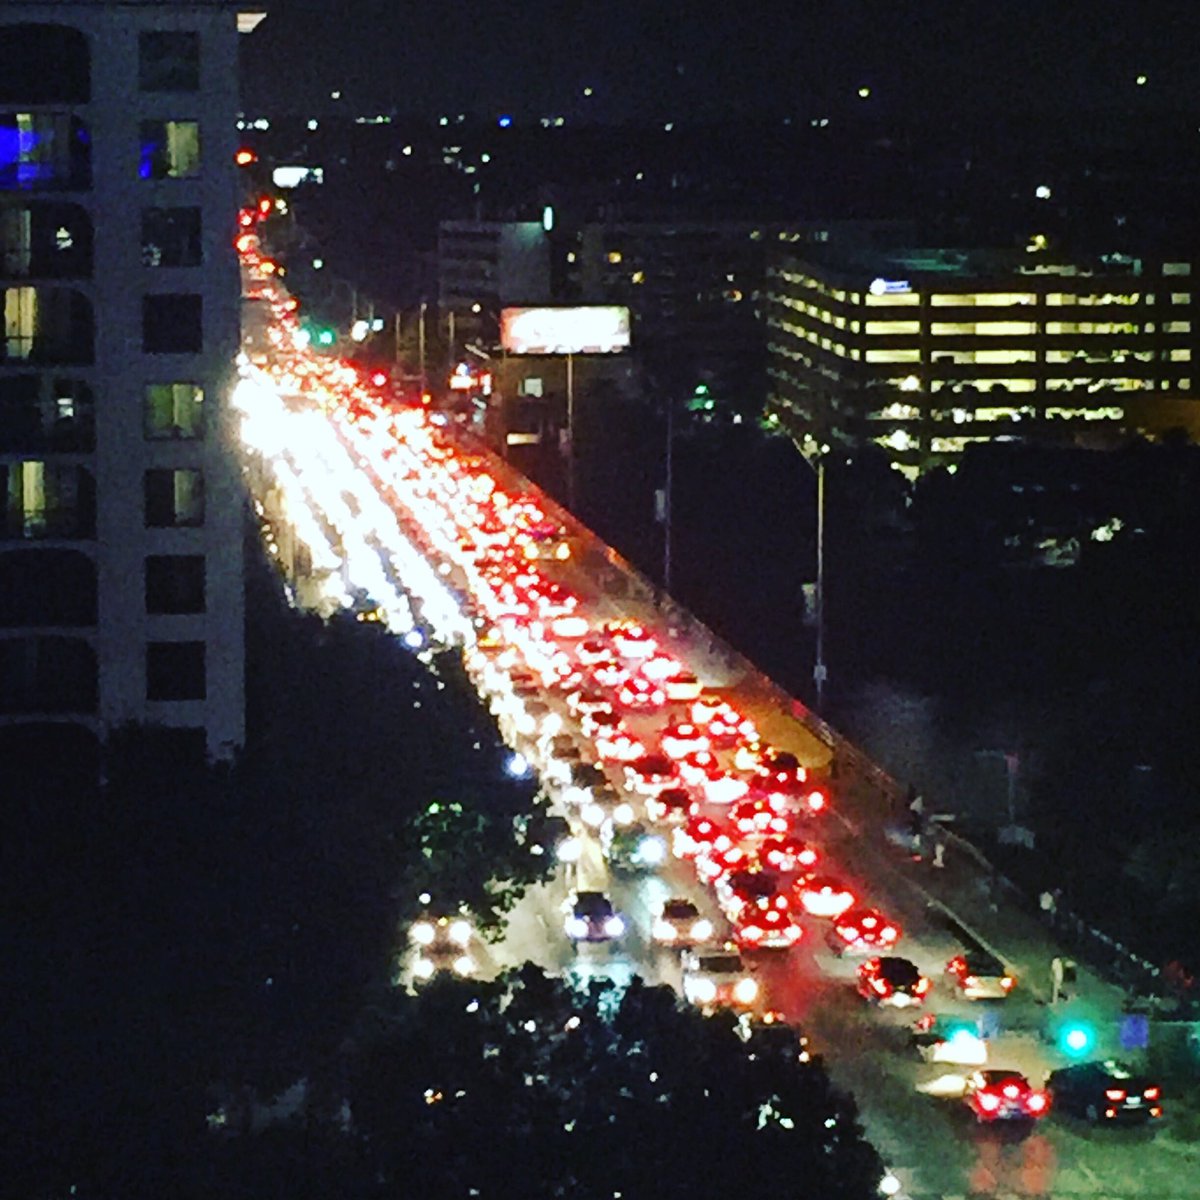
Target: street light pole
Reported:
[(570, 432), (421, 351), (667, 498), (819, 671)]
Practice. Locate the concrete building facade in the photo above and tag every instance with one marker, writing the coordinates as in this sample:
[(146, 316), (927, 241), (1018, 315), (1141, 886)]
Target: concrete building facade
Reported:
[(121, 532)]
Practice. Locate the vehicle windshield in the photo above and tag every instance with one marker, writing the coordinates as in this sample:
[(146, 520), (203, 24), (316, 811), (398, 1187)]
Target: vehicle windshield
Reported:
[(592, 904), (1000, 1078), (680, 910), (755, 883), (984, 964), (674, 798), (899, 971), (720, 964)]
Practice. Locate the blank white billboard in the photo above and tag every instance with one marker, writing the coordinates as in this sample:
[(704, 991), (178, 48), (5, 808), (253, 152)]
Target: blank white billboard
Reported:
[(585, 329)]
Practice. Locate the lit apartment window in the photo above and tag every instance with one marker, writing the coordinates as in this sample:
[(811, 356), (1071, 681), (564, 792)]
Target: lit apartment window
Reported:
[(20, 321), (892, 356), (1177, 327), (175, 671), (169, 62), (171, 237), (984, 328), (174, 498), (1181, 356), (894, 299), (43, 151), (1177, 268), (174, 583), (981, 299), (174, 410), (172, 324), (169, 150), (614, 256), (1181, 297)]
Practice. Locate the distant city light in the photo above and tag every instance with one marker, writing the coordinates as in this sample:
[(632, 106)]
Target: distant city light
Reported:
[(587, 91), (335, 95), (548, 217), (1141, 80), (407, 150), (669, 126), (863, 92), (313, 122), (504, 122), (359, 330), (1042, 192), (443, 120), (485, 158), (377, 325), (517, 765), (318, 263)]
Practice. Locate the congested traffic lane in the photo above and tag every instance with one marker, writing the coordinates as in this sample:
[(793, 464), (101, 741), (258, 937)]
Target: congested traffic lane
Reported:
[(371, 533)]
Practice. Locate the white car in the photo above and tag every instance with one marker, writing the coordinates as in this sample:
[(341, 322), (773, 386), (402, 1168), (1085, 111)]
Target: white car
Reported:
[(680, 924), (716, 977), (441, 944)]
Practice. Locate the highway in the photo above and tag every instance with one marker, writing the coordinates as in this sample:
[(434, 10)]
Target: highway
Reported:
[(382, 506)]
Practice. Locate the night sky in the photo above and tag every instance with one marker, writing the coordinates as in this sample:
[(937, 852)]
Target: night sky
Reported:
[(652, 59)]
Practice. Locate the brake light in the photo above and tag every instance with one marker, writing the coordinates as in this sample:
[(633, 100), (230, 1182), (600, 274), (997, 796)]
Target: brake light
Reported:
[(807, 858), (880, 985), (1152, 1093), (869, 922), (922, 986), (848, 932), (987, 1101), (1035, 1102), (1116, 1095), (1007, 983), (752, 933), (1011, 1091), (887, 934), (816, 801)]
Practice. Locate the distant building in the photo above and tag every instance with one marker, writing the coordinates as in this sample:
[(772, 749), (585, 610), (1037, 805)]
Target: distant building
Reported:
[(923, 352), (121, 526)]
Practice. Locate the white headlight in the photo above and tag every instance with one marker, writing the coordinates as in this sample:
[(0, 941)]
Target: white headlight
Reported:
[(745, 991), (623, 814), (704, 991), (423, 968), (702, 929), (577, 927), (464, 964), (651, 851), (614, 926), (569, 850), (422, 933), (593, 815), (460, 932), (664, 931)]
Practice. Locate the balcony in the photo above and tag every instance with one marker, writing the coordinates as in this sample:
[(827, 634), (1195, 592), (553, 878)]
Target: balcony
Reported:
[(48, 675), (35, 420), (44, 152), (44, 240)]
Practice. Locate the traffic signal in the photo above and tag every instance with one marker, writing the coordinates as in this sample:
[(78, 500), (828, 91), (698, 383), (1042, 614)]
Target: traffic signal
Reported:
[(1076, 1038), (325, 336)]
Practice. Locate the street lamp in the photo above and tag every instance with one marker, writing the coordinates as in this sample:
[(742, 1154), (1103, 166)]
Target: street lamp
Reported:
[(814, 454)]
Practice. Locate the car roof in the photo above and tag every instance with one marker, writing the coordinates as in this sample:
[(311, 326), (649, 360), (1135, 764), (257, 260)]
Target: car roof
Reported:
[(1002, 1075), (677, 905), (592, 902), (983, 962), (898, 968)]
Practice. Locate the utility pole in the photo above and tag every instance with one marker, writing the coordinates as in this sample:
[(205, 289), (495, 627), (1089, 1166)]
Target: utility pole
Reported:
[(819, 670), (667, 496), (450, 346), (421, 350), (570, 433)]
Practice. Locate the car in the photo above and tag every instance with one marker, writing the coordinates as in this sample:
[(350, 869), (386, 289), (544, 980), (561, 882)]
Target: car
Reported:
[(697, 833), (587, 701), (980, 975), (671, 806), (593, 650), (634, 848), (651, 774), (1002, 1095), (726, 726), (751, 889), (609, 673), (787, 854), (716, 860), (681, 738), (769, 1038), (756, 816), (591, 918), (893, 981), (698, 766), (633, 641), (766, 929), (442, 943), (601, 723), (682, 687), (619, 746), (1107, 1091), (641, 694), (680, 923), (716, 977), (862, 931), (950, 1040), (824, 896), (781, 768)]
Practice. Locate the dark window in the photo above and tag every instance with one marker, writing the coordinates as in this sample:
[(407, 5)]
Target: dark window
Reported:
[(174, 499), (171, 237), (44, 64), (169, 62), (175, 671), (169, 150), (174, 410), (175, 583), (172, 324)]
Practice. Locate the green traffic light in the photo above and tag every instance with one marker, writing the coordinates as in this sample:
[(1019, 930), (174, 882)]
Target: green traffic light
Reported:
[(325, 337), (1076, 1039)]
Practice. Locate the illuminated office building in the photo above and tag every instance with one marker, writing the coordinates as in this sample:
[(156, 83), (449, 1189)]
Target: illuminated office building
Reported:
[(924, 352), (121, 507)]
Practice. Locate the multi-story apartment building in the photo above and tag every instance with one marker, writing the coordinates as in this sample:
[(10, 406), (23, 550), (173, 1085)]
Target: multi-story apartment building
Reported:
[(925, 352), (121, 509)]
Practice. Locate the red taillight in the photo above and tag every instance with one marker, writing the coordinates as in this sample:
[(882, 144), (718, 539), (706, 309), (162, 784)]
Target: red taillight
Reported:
[(880, 985), (816, 801), (1007, 983), (807, 857), (752, 933), (1011, 1091), (922, 986), (1152, 1093), (849, 933), (887, 934), (1036, 1102), (987, 1101)]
